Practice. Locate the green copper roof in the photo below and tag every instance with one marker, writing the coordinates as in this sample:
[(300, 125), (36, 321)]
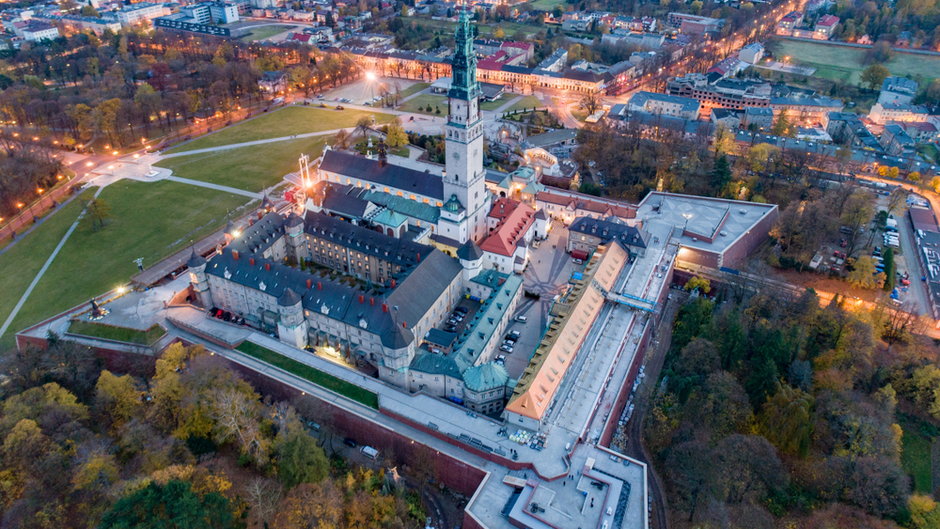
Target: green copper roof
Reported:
[(485, 377), (464, 63), (387, 217), (407, 207)]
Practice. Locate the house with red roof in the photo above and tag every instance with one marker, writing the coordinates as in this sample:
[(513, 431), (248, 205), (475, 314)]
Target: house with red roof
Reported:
[(511, 228), (825, 26)]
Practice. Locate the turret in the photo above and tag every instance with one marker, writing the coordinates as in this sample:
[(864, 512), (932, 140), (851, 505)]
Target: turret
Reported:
[(471, 259), (291, 326), (294, 229), (198, 279)]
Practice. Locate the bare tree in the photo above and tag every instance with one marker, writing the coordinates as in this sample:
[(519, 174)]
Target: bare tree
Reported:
[(263, 496)]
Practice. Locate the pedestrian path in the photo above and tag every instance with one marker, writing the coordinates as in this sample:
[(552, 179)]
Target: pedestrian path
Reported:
[(42, 271), (507, 104), (217, 187)]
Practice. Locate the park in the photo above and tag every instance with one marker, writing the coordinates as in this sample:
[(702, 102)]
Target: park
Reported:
[(152, 220)]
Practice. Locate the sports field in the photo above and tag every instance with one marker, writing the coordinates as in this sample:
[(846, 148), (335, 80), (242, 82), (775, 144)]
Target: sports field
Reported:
[(845, 64), (284, 122), (265, 32)]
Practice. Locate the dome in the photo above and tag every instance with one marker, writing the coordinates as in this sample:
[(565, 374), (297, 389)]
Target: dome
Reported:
[(453, 205)]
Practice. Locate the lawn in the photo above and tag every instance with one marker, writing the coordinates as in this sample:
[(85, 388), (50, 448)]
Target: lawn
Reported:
[(493, 105), (265, 32), (251, 168), (915, 453), (149, 220), (419, 104), (527, 102), (547, 5), (284, 122), (22, 261), (413, 89), (485, 30), (118, 334), (312, 374), (840, 63)]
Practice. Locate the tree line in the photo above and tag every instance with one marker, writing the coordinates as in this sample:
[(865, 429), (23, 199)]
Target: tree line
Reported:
[(776, 412), (190, 445)]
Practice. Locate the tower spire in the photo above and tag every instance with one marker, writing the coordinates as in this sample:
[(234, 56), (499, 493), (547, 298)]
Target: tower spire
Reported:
[(464, 65)]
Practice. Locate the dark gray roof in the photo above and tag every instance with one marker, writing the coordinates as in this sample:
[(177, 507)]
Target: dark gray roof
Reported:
[(289, 298), (344, 201), (440, 337), (415, 295), (293, 220), (608, 231), (393, 176), (195, 260), (399, 251), (261, 235), (470, 251)]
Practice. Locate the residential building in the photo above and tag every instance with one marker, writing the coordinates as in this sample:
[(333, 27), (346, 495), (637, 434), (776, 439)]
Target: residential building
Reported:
[(896, 141), (825, 27), (897, 90), (140, 13), (669, 105), (882, 113), (35, 30), (752, 53)]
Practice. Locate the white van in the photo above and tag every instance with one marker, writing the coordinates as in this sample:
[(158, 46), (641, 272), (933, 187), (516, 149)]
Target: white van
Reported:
[(369, 452)]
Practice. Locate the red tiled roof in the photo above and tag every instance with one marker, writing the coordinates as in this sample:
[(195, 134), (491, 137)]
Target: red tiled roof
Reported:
[(828, 20), (511, 230), (503, 208)]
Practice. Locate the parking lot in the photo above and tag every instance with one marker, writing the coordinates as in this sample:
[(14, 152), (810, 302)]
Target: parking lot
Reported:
[(546, 275)]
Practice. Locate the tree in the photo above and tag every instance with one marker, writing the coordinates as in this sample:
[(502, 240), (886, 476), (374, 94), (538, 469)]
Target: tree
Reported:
[(761, 156), (395, 135), (857, 210), (98, 212), (863, 274), (363, 125), (299, 459), (590, 103), (724, 140), (721, 174), (171, 505), (874, 75), (697, 283), (782, 126), (889, 270), (924, 512), (117, 398), (914, 176), (720, 406), (786, 420)]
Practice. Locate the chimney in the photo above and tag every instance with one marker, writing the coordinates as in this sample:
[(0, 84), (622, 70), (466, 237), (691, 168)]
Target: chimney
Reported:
[(309, 283), (362, 299), (419, 257), (267, 266), (251, 261), (384, 307), (393, 283), (319, 285), (235, 254), (404, 325), (260, 214), (372, 301)]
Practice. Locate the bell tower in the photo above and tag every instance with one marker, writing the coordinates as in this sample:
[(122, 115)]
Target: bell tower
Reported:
[(463, 134)]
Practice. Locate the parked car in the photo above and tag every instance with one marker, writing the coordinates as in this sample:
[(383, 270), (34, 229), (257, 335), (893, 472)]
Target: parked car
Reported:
[(350, 442), (340, 107), (522, 319)]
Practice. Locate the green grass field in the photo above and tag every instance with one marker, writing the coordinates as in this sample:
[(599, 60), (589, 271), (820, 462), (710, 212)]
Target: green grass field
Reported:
[(314, 375), (915, 454), (840, 63), (21, 262), (284, 122), (251, 168), (493, 105), (265, 32), (547, 5), (149, 220), (420, 103), (486, 30), (527, 102), (414, 89), (119, 334)]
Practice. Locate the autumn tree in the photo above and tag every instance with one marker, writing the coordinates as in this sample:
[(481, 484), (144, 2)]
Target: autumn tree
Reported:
[(864, 275), (395, 135), (786, 420), (117, 398), (874, 75), (299, 458), (98, 212)]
